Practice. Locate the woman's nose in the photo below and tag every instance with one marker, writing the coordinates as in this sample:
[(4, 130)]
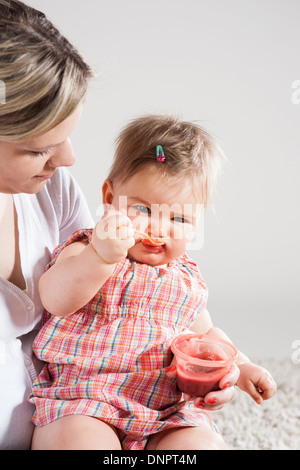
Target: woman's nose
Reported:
[(63, 156)]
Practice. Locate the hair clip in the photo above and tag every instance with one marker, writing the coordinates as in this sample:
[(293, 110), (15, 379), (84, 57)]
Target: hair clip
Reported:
[(160, 156)]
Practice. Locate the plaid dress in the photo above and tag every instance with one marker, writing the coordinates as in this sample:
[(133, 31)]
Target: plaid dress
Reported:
[(108, 359)]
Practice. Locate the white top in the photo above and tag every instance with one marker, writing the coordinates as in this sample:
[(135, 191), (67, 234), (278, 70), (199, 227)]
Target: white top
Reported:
[(45, 220)]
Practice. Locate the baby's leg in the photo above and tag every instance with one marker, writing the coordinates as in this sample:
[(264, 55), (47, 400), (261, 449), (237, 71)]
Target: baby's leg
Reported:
[(193, 438), (76, 432)]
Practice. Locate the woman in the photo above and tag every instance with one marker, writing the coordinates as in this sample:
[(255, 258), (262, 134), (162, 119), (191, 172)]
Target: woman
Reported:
[(45, 82)]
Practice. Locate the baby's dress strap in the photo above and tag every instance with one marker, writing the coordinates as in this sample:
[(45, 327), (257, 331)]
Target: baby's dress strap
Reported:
[(78, 236)]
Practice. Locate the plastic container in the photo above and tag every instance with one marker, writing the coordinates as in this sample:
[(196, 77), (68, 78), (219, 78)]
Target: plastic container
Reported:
[(202, 361)]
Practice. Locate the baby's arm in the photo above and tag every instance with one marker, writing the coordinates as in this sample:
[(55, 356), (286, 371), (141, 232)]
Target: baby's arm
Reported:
[(81, 269), (204, 325)]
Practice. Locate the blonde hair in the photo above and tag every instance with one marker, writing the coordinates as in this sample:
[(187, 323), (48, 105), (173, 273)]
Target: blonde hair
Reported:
[(190, 152), (44, 77)]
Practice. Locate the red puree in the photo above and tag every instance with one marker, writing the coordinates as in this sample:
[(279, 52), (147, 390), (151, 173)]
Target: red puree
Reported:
[(205, 356), (199, 384)]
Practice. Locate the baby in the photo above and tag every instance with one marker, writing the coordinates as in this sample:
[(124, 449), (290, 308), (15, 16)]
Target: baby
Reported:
[(117, 300)]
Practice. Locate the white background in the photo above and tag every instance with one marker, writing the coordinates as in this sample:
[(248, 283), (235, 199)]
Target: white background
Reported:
[(231, 65)]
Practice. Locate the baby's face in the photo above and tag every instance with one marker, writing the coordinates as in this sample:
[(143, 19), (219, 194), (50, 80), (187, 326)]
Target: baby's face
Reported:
[(160, 207)]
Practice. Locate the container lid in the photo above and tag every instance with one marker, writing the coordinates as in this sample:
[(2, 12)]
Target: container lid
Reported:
[(223, 348)]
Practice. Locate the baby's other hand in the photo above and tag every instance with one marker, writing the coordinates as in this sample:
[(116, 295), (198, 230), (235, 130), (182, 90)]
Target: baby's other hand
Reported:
[(256, 381), (113, 236)]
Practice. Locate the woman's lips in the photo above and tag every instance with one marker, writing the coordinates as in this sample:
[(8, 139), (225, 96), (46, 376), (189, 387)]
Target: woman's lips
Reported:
[(44, 177)]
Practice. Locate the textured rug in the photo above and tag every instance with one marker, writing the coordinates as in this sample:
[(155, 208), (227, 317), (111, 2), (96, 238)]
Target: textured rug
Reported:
[(274, 425)]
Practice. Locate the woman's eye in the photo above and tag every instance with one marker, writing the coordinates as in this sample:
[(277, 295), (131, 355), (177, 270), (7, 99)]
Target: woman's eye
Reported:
[(141, 208), (41, 154)]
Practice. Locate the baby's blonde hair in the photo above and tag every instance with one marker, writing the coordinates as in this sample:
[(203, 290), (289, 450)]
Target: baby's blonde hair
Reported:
[(190, 152), (42, 74)]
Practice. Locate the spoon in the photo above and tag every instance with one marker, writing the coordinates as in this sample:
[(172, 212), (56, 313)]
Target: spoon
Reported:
[(148, 239)]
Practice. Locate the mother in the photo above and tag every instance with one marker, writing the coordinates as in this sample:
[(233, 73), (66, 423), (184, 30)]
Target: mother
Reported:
[(45, 82)]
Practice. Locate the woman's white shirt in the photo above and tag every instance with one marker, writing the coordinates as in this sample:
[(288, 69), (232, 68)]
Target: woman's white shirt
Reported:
[(45, 220)]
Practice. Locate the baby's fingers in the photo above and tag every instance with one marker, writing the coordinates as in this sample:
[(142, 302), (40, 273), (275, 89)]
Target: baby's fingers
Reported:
[(123, 232), (254, 393), (114, 225), (267, 386)]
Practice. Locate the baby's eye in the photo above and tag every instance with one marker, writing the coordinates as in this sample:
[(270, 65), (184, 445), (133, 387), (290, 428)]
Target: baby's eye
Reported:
[(141, 208), (180, 220)]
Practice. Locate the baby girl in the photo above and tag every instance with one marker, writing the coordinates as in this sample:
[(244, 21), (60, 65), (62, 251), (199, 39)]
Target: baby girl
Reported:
[(117, 300)]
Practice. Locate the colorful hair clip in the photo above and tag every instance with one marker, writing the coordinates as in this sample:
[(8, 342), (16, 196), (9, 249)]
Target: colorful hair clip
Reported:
[(160, 156)]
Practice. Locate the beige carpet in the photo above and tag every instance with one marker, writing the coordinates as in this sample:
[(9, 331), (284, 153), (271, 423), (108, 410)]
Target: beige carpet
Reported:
[(274, 425)]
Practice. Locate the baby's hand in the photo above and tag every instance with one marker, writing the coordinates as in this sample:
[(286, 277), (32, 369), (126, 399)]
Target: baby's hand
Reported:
[(113, 236), (256, 381)]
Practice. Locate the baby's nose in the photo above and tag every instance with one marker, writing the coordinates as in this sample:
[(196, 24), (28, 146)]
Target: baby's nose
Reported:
[(159, 227)]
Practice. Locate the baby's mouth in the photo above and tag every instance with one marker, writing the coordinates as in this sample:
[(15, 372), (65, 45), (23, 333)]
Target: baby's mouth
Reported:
[(153, 248), (147, 239), (151, 242)]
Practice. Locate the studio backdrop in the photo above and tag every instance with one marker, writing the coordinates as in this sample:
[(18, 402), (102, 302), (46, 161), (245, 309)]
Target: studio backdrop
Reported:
[(233, 66)]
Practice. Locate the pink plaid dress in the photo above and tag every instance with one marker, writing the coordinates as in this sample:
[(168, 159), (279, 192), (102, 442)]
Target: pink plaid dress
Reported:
[(108, 359)]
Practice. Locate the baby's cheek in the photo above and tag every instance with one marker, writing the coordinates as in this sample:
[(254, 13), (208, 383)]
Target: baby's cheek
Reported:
[(132, 251), (176, 248)]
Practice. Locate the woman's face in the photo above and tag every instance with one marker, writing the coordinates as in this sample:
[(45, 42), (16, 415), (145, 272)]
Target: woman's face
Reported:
[(26, 166)]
